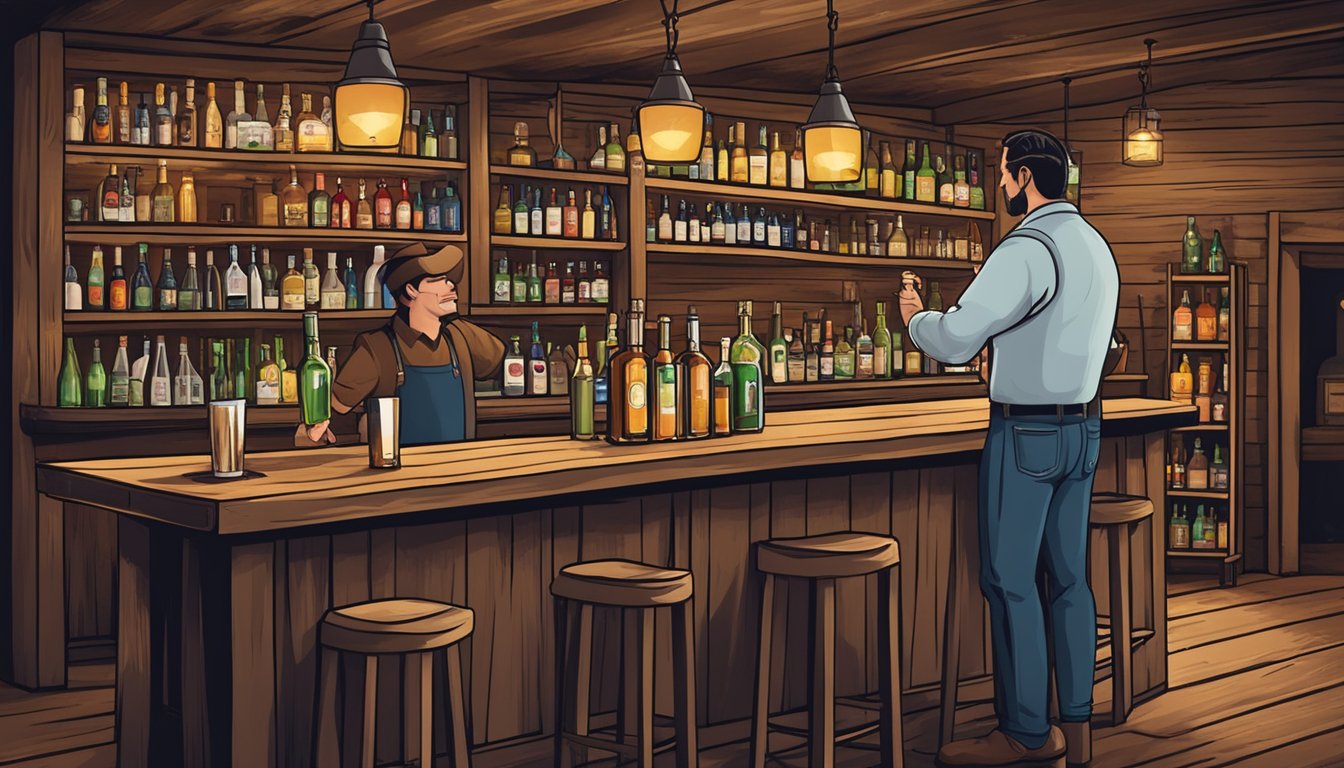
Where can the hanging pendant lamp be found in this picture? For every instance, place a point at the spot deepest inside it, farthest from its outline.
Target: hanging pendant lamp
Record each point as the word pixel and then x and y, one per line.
pixel 371 103
pixel 670 120
pixel 1074 181
pixel 1142 143
pixel 832 138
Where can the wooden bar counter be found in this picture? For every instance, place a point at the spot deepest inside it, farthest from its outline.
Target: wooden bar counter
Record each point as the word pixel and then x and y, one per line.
pixel 221 585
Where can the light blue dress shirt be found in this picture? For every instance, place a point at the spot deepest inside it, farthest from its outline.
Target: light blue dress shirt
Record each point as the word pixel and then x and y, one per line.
pixel 1048 317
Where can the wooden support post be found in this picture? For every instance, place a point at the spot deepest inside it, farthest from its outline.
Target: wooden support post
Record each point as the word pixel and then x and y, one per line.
pixel 477 204
pixel 133 642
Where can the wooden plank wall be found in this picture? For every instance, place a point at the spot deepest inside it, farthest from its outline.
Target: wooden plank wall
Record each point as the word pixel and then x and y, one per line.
pixel 1235 149
pixel 502 565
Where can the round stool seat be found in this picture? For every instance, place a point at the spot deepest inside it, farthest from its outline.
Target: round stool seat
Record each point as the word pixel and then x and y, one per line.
pixel 622 582
pixel 829 556
pixel 395 626
pixel 1118 509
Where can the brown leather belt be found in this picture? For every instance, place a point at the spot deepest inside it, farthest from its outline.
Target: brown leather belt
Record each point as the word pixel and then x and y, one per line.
pixel 1074 409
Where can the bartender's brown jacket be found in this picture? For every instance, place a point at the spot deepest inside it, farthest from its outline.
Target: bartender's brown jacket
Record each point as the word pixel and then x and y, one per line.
pixel 480 354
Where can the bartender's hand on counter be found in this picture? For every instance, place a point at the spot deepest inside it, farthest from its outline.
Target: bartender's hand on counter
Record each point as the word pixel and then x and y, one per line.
pixel 908 298
pixel 318 434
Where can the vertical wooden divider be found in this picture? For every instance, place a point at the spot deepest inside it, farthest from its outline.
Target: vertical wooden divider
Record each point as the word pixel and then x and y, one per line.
pixel 478 197
pixel 637 273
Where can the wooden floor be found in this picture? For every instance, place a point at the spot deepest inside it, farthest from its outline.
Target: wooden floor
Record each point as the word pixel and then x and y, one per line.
pixel 1257 679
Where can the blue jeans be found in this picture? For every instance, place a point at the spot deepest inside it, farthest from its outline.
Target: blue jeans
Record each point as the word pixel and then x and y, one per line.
pixel 1035 494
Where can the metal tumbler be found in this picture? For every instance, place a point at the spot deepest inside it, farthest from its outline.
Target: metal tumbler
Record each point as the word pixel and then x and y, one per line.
pixel 228 426
pixel 384 428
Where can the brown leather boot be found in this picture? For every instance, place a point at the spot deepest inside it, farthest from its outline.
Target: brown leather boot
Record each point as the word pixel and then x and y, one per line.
pixel 1078 741
pixel 998 750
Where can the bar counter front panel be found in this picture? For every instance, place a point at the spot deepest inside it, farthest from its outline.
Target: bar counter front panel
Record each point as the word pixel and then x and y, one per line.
pixel 221 586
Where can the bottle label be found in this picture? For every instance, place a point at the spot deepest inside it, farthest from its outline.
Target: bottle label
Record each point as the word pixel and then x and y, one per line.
pixel 601 290
pixel 96 296
pixel 827 366
pixel 163 209
pixel 757 170
pixel 539 380
pixel 521 222
pixel 924 189
pixel 74 297
pixel 679 231
pixel 513 373
pixel 293 301
pixel 167 298
pixel 503 289
pixel 296 215
pixel 137 393
pixel 880 362
pixel 585 291
pixel 636 396
pixel 758 232
pixel 121 390
pixel 779 365
pixel 1207 328
pixel 313 136
pixel 117 300
pixel 772 237
pixel 160 395
pixel 554 222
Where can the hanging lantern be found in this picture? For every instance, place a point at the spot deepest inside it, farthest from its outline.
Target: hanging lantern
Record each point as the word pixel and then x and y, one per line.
pixel 832 138
pixel 371 103
pixel 670 120
pixel 1142 143
pixel 1074 180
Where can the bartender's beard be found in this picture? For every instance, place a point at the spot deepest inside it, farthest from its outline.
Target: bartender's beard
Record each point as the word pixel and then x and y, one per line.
pixel 1017 204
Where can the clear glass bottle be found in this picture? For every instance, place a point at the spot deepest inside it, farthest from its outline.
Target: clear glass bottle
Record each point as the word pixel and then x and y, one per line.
pixel 119 383
pixel 332 291
pixel 95 383
pixel 294 202
pixel 189 294
pixel 167 286
pixel 312 286
pixel 235 282
pixel 214 124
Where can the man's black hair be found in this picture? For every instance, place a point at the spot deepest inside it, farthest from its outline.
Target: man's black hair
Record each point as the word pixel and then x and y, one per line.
pixel 1044 155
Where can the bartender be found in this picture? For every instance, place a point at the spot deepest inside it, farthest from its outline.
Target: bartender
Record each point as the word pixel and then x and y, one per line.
pixel 426 355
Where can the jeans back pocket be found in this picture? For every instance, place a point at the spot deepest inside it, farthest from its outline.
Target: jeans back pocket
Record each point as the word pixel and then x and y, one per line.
pixel 1036 449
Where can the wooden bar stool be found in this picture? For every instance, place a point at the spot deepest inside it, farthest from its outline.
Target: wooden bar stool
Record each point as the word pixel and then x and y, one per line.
pixel 637 589
pixel 821 560
pixel 413 628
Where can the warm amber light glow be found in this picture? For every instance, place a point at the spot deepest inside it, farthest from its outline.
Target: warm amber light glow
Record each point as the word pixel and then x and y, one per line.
pixel 833 154
pixel 670 133
pixel 1143 146
pixel 369 115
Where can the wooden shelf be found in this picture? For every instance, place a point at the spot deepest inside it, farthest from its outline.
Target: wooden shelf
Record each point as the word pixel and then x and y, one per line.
pixel 1323 443
pixel 495 407
pixel 1126 377
pixel 42 419
pixel 814 257
pixel 179 234
pixel 185 158
pixel 547 310
pixel 1218 427
pixel 554 243
pixel 1178 278
pixel 1221 554
pixel 798 197
pixel 1208 346
pixel 1210 494
pixel 550 174
pixel 176 318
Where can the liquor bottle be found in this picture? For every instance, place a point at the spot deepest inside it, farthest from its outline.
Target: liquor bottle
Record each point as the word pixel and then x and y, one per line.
pixel 448 136
pixel 773 231
pixel 312 293
pixel 515 376
pixel 221 386
pixel 797 168
pixel 187 384
pixel 1182 322
pixel 571 217
pixel 314 379
pixel 167 286
pixel 159 392
pixel 163 129
pixel 533 283
pixel 946 185
pixel 520 218
pixel 668 387
pixel 95 384
pixel 254 283
pixel 628 407
pixel 961 189
pixel 598 161
pixel 311 133
pixel 1218 402
pixel 316 209
pixel 747 356
pixel 502 284
pixel 520 153
pixel 1192 248
pixel 1204 390
pixel 730 225
pixel 326 117
pixel 141 124
pixel 844 352
pixel 401 217
pixel 235 283
pixel 284 123
pixel 1224 316
pixel 100 129
pixel 74 119
pixel 537 378
pixel 1217 257
pixel 186 199
pixel 162 200
pixel 74 295
pixel 294 202
pixel 863 351
pixel 96 300
pixel 1182 382
pixel 582 393
pixel 887 183
pixel 189 294
pixel 811 350
pixel 410 133
pixel 605 350
pixel 119 383
pixel 212 293
pixel 601 291
pixel 744 226
pixel 704 169
pixel 1211 530
pixel 186 118
pixel 1178 530
pixel 615 152
pixel 723 390
pixel 693 223
pixel 554 217
pixel 341 213
pixel 779 162
pixel 212 137
pixel 976 192
pixel 588 224
pixel 1197 471
pixel 432 212
pixel 796 365
pixel 872 167
pixel 268 378
pixel 518 284
pixel 292 291
pixel 69 382
pixel 351 281
pixel 557 368
pixel 739 171
pixel 926 188
pixel 382 207
pixel 373 288
pixel 429 137
pixel 503 217
pixel 136 382
pixel 779 348
pixel 898 243
pixel 331 294
pixel 758 162
pixel 905 184
pixel 238 113
pixel 1206 320
pixel 694 381
pixel 826 355
pixel 116 293
pixel 758 225
pixel 110 197
pixel 289 377
pixel 1218 471
pixel 142 288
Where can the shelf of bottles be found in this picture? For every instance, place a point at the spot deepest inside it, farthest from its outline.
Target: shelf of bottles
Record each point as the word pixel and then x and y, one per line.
pixel 1204 294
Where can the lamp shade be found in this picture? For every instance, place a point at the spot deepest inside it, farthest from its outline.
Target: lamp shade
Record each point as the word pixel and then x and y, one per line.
pixel 370 104
pixel 1142 143
pixel 832 139
pixel 670 121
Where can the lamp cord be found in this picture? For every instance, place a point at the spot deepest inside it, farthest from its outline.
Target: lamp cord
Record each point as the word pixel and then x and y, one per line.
pixel 1145 79
pixel 832 24
pixel 371 2
pixel 1066 82
pixel 670 26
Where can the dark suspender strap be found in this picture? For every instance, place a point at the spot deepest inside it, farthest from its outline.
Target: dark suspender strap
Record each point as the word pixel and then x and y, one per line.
pixel 396 350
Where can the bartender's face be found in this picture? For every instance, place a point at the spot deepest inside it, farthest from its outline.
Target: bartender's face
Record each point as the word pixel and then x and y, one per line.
pixel 436 294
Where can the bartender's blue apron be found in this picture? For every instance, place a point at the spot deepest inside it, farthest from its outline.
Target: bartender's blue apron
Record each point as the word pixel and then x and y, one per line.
pixel 433 400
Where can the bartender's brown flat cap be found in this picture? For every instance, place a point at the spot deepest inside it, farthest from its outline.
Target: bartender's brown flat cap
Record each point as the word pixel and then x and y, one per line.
pixel 414 261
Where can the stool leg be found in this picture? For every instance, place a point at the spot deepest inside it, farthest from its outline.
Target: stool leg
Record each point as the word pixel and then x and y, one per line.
pixel 370 710
pixel 426 710
pixel 683 673
pixel 889 666
pixel 760 711
pixel 627 694
pixel 644 685
pixel 561 614
pixel 821 693
pixel 581 656
pixel 947 703
pixel 1121 623
pixel 414 713
pixel 457 711
pixel 326 749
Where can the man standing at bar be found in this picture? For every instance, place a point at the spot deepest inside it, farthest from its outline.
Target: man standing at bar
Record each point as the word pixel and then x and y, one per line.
pixel 426 355
pixel 1045 301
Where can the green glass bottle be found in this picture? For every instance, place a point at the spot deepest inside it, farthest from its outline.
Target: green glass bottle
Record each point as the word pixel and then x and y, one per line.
pixel 582 393
pixel 926 180
pixel 1192 248
pixel 314 376
pixel 882 344
pixel 908 172
pixel 95 384
pixel 142 288
pixel 1217 256
pixel 69 384
pixel 844 355
pixel 747 356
